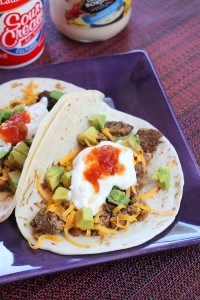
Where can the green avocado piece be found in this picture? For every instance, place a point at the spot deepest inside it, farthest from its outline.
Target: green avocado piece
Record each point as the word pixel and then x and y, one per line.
pixel 131 142
pixel 5 114
pixel 22 148
pixel 3 153
pixel 56 95
pixel 118 197
pixel 53 177
pixel 18 155
pixel 13 179
pixel 97 121
pixel 163 176
pixel 66 179
pixel 90 135
pixel 17 109
pixel 16 159
pixel 84 218
pixel 60 195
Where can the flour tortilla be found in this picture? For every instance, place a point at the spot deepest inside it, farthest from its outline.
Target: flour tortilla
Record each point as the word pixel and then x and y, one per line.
pixel 12 90
pixel 59 140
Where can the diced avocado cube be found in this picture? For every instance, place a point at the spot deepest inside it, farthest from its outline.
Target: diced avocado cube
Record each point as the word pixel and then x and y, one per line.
pixel 16 159
pixel 53 176
pixel 56 95
pixel 84 218
pixel 66 179
pixel 7 113
pixel 1 116
pixel 118 197
pixel 131 142
pixel 22 148
pixel 18 155
pixel 163 176
pixel 3 153
pixel 13 179
pixel 17 109
pixel 60 195
pixel 97 121
pixel 90 135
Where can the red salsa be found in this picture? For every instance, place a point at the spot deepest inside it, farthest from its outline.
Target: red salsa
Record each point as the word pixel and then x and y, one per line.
pixel 14 130
pixel 102 162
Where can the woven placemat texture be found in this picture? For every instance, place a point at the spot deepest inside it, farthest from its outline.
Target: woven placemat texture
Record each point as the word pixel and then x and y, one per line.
pixel 169 31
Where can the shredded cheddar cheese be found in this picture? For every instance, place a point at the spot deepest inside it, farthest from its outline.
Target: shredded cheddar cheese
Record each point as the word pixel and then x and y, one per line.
pixel 56 208
pixel 29 96
pixel 118 208
pixel 139 157
pixel 51 237
pixel 70 157
pixel 45 195
pixel 70 223
pixel 104 230
pixel 152 192
pixel 134 189
pixel 69 210
pixel 108 134
pixel 128 192
pixel 153 211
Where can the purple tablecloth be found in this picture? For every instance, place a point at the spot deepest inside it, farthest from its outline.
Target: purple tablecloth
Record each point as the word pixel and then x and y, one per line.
pixel 169 32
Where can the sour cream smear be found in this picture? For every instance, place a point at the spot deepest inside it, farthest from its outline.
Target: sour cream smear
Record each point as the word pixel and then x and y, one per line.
pixel 96 170
pixel 38 112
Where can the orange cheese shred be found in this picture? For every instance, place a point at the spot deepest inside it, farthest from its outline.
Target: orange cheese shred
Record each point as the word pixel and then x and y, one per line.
pixel 69 210
pixel 29 96
pixel 128 192
pixel 45 195
pixel 134 189
pixel 70 157
pixel 103 230
pixel 57 208
pixel 117 209
pixel 153 211
pixel 139 157
pixel 108 134
pixel 152 192
pixel 70 223
pixel 51 237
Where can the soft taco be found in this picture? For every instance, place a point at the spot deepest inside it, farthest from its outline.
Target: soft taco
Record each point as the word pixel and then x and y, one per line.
pixel 25 103
pixel 100 180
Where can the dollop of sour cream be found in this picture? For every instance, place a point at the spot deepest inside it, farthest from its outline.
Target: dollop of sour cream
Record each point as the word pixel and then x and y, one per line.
pixel 82 192
pixel 37 113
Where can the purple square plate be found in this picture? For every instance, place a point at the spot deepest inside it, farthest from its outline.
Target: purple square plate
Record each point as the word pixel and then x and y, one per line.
pixel 131 81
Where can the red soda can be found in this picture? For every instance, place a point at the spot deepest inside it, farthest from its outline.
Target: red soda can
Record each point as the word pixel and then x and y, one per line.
pixel 21 32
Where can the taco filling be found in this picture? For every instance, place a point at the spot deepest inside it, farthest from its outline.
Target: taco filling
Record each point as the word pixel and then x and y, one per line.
pixel 25 105
pixel 98 188
pixel 18 126
pixel 100 180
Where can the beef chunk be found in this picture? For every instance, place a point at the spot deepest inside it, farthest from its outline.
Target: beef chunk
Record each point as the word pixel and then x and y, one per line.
pixel 131 210
pixel 142 216
pixel 119 128
pixel 108 207
pixel 75 231
pixel 94 232
pixel 46 223
pixel 139 170
pixel 104 219
pixel 149 139
pixel 102 137
pixel 51 102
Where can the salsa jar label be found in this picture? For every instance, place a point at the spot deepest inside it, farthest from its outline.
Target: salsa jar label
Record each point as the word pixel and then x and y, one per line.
pixel 21 32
